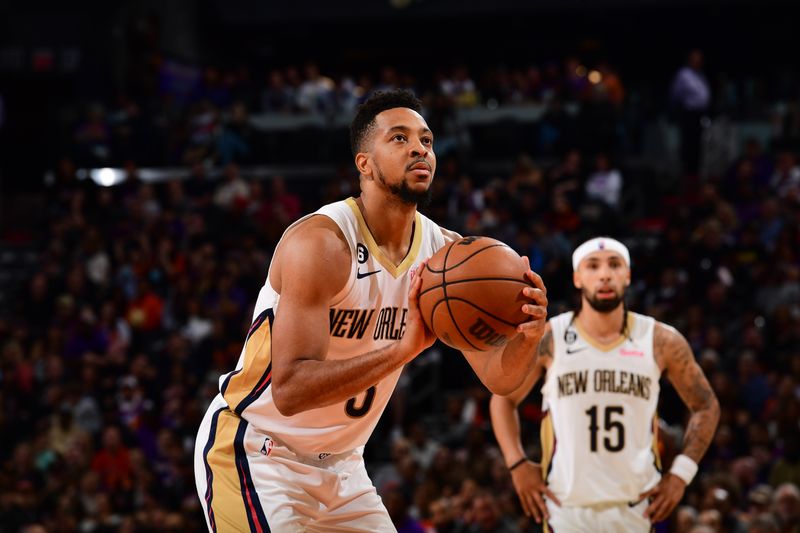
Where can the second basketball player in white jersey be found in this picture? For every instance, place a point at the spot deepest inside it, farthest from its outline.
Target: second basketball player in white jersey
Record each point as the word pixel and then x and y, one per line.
pixel 600 469
pixel 280 447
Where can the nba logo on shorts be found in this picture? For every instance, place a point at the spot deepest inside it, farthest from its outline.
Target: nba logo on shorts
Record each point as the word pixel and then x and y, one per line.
pixel 266 449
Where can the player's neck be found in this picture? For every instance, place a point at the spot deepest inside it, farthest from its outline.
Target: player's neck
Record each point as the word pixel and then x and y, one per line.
pixel 390 222
pixel 603 327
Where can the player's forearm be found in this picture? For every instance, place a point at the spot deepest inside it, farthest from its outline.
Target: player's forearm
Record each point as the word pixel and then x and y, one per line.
pixel 311 383
pixel 507 367
pixel 700 430
pixel 506 427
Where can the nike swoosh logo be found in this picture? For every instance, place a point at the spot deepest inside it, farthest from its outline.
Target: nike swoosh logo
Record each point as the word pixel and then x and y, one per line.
pixel 359 275
pixel 570 352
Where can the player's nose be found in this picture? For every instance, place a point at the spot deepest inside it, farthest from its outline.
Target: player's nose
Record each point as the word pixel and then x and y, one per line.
pixel 605 272
pixel 418 149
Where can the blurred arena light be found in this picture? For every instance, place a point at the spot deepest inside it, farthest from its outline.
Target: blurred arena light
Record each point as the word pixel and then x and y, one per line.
pixel 107 177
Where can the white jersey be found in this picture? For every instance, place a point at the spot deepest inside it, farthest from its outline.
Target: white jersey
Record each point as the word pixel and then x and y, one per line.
pixel 599 438
pixel 369 313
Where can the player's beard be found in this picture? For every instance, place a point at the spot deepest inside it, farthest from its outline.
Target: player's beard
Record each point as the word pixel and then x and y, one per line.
pixel 404 193
pixel 604 305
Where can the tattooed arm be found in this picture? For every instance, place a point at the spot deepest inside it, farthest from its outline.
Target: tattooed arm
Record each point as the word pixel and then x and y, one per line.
pixel 527 475
pixel 688 379
pixel 675 356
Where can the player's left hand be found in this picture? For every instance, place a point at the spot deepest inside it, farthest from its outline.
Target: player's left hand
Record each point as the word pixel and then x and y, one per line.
pixel 536 308
pixel 665 496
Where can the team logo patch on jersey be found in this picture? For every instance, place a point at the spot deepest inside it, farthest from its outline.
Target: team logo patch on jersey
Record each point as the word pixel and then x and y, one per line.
pixel 570 336
pixel 266 449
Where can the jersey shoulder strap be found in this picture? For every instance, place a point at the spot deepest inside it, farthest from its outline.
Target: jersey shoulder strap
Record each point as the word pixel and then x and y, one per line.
pixel 560 326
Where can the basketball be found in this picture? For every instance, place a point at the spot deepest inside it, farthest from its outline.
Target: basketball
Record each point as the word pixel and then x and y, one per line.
pixel 471 294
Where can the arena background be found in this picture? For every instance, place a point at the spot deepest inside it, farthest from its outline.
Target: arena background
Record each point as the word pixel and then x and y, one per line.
pixel 151 153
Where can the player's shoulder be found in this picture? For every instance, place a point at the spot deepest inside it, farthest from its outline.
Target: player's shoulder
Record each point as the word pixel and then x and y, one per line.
pixel 640 326
pixel 315 247
pixel 668 341
pixel 312 261
pixel 440 236
pixel 432 226
pixel 666 331
pixel 449 235
pixel 561 320
pixel 554 325
pixel 317 231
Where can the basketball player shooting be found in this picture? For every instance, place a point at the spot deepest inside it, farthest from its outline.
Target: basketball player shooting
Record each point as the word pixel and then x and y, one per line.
pixel 600 468
pixel 281 445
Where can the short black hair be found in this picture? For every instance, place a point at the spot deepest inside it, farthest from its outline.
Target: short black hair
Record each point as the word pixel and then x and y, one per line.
pixel 380 101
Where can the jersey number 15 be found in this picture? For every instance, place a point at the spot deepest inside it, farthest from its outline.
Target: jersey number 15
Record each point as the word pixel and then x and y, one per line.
pixel 611 427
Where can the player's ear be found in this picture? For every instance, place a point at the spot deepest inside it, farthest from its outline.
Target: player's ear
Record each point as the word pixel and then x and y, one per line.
pixel 576 280
pixel 628 278
pixel 363 166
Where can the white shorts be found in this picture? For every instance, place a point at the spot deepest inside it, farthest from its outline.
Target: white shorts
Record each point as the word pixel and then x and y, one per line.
pixel 613 518
pixel 248 482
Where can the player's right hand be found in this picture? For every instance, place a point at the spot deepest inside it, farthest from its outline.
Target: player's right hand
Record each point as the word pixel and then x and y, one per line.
pixel 417 337
pixel 531 489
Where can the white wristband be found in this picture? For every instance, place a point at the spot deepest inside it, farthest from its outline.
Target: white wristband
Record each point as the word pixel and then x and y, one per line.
pixel 684 467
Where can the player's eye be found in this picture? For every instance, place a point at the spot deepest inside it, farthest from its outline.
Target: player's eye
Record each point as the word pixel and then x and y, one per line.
pixel 399 137
pixel 427 141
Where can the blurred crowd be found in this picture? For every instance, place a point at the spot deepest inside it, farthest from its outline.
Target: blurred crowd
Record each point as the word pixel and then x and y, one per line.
pixel 188 114
pixel 185 114
pixel 144 291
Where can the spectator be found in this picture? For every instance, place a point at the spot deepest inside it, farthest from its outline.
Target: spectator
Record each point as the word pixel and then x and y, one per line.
pixel 763 523
pixel 691 93
pixel 316 93
pixel 112 461
pixel 487 517
pixel 567 179
pixel 232 194
pixel 235 141
pixel 685 518
pixel 605 183
pixel 786 505
pixel 278 97
pixel 397 506
pixel 444 518
pixel 785 180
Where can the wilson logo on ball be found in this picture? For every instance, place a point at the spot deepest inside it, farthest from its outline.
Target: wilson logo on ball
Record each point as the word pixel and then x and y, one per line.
pixel 486 334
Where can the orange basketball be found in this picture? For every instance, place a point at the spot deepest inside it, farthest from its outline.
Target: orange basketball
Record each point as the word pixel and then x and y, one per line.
pixel 471 295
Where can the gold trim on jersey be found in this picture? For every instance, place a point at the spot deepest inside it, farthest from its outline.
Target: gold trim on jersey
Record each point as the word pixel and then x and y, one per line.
pixel 416 242
pixel 656 451
pixel 603 347
pixel 227 503
pixel 548 439
pixel 257 359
